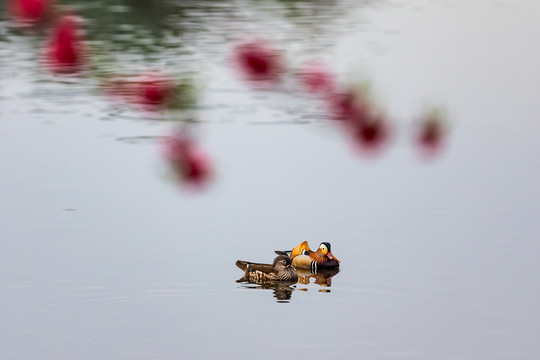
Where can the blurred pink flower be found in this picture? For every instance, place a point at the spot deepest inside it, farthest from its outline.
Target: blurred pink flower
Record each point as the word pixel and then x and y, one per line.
pixel 190 164
pixel 65 51
pixel 29 12
pixel 372 134
pixel 347 105
pixel 431 134
pixel 151 91
pixel 361 119
pixel 316 78
pixel 258 61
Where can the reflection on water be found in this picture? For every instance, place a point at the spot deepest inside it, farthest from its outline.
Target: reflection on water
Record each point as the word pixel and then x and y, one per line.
pixel 282 290
pixel 322 277
pixel 156 30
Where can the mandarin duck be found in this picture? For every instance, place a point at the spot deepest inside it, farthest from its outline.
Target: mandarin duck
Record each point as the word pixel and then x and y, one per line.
pixel 303 258
pixel 280 270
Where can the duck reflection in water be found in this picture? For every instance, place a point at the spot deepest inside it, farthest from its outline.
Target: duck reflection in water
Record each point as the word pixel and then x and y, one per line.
pixel 322 277
pixel 279 276
pixel 282 289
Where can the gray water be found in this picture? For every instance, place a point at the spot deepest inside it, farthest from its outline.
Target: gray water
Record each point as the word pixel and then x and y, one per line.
pixel 103 258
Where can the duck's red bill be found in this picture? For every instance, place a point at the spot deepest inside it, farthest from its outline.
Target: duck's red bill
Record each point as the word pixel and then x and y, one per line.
pixel 331 256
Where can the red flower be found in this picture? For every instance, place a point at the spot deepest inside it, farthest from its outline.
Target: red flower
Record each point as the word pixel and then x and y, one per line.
pixel 65 51
pixel 372 134
pixel 258 61
pixel 188 161
pixel 347 106
pixel 431 134
pixel 316 78
pixel 29 12
pixel 152 91
pixel 361 119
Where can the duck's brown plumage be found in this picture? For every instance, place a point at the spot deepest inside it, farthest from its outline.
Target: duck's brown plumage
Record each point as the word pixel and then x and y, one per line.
pixel 280 270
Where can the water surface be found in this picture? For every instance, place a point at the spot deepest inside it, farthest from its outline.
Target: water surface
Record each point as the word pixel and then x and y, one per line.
pixel 102 257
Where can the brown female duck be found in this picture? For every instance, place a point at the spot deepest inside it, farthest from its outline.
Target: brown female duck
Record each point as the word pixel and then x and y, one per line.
pixel 280 270
pixel 303 258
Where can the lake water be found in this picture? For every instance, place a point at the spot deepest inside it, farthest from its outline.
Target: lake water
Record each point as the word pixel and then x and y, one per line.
pixel 103 257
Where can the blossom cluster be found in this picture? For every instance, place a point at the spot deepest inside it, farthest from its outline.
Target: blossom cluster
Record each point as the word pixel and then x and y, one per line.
pixel 66 52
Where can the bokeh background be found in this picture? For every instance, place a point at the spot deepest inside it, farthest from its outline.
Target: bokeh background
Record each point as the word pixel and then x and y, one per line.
pixel 111 249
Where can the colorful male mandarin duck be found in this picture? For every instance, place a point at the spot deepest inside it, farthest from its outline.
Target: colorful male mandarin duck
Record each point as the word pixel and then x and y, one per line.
pixel 303 258
pixel 280 270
